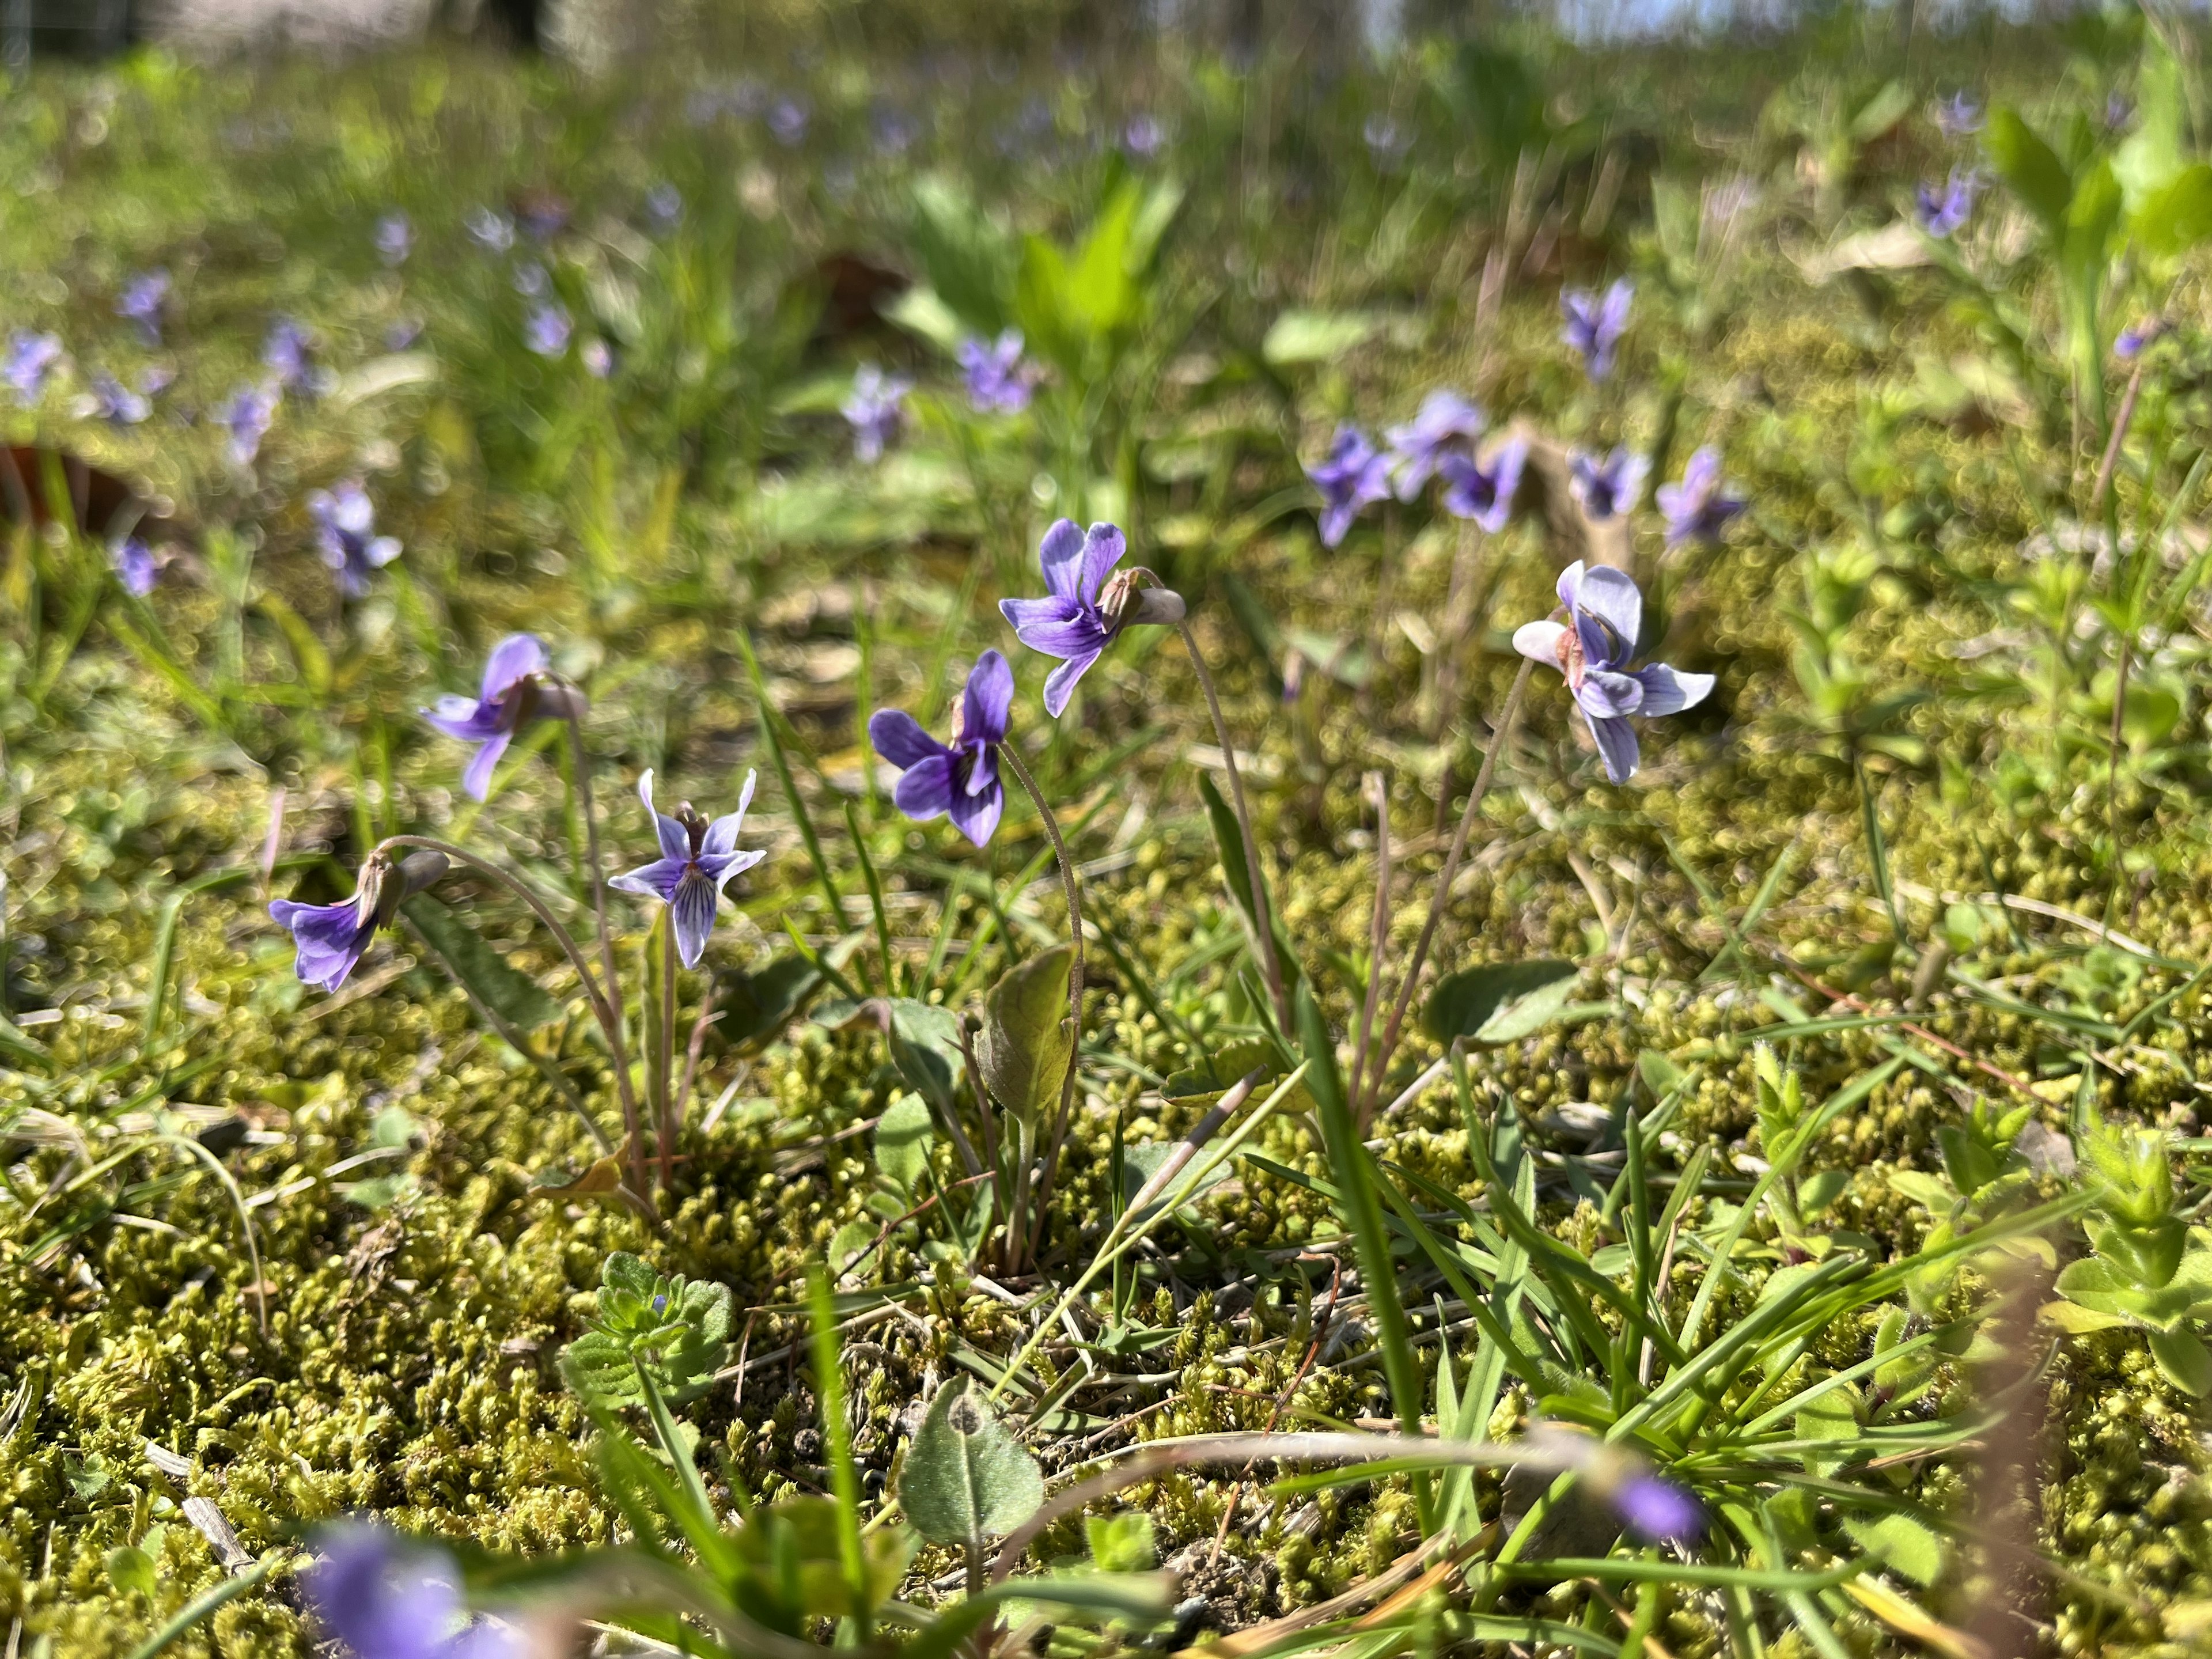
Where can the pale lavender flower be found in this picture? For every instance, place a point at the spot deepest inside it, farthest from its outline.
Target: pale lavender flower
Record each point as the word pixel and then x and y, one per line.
pixel 788 120
pixel 1445 424
pixel 386 1599
pixel 1592 650
pixel 1594 326
pixel 1606 484
pixel 247 418
pixel 491 230
pixel 517 689
pixel 155 378
pixel 403 333
pixel 345 532
pixel 1085 612
pixel 1657 1510
pixel 30 359
pixel 998 382
pixel 289 355
pixel 698 859
pixel 1699 506
pixel 547 329
pixel 543 215
pixel 664 207
pixel 108 399
pixel 1959 116
pixel 598 359
pixel 395 239
pixel 134 566
pixel 529 279
pixel 331 938
pixel 140 302
pixel 1143 137
pixel 1942 209
pixel 875 410
pixel 959 779
pixel 1481 491
pixel 1353 474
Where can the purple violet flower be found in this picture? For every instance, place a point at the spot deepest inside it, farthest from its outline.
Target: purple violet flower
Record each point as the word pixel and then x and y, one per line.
pixel 288 355
pixel 1353 474
pixel 598 358
pixel 894 131
pixel 1484 493
pixel 331 938
pixel 1943 210
pixel 134 566
pixel 1959 116
pixel 1446 424
pixel 1605 614
pixel 1594 326
pixel 998 382
pixel 664 207
pixel 140 302
pixel 395 239
pixel 1085 611
pixel 491 230
pixel 875 410
pixel 1698 508
pixel 402 334
pixel 30 359
pixel 246 417
pixel 517 690
pixel 1143 137
pixel 108 399
pixel 788 120
pixel 961 778
pixel 2134 338
pixel 345 530
pixel 1606 484
pixel 1657 1510
pixel 698 859
pixel 387 1599
pixel 547 329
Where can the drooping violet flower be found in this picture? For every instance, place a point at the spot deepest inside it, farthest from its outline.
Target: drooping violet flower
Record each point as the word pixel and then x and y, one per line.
pixel 1445 424
pixel 1605 614
pixel 1605 485
pixel 345 531
pixel 547 329
pixel 998 382
pixel 395 239
pixel 1143 137
pixel 331 938
pixel 1354 473
pixel 1699 506
pixel 1594 326
pixel 30 359
pixel 386 1599
pixel 875 410
pixel 664 207
pixel 597 357
pixel 698 859
pixel 1085 612
pixel 1945 209
pixel 247 418
pixel 140 302
pixel 108 399
pixel 788 120
pixel 134 566
pixel 517 689
pixel 2134 338
pixel 491 230
pixel 289 355
pixel 959 779
pixel 1483 491
pixel 1657 1510
pixel 1959 116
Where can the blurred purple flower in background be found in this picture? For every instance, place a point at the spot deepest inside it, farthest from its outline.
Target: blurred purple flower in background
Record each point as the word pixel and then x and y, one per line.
pixel 331 938
pixel 598 359
pixel 108 399
pixel 894 131
pixel 875 410
pixel 2119 112
pixel 788 119
pixel 1353 474
pixel 997 380
pixel 1944 209
pixel 1594 326
pixel 134 566
pixel 491 230
pixel 1959 116
pixel 1143 137
pixel 289 355
pixel 960 779
pixel 140 302
pixel 395 239
pixel 1656 1511
pixel 1605 614
pixel 29 360
pixel 385 1598
pixel 2135 338
pixel 403 333
pixel 516 689
pixel 247 418
pixel 547 329
pixel 529 279
pixel 345 532
pixel 664 207
pixel 698 859
pixel 542 216
pixel 1605 485
pixel 1445 424
pixel 1484 493
pixel 1698 508
pixel 1085 612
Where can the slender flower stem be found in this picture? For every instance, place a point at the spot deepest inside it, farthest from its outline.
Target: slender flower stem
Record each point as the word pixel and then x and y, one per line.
pixel 666 1133
pixel 583 766
pixel 1008 753
pixel 1445 877
pixel 1263 922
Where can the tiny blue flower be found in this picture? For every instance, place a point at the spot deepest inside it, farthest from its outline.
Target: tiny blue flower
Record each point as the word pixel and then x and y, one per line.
pixel 1594 325
pixel 894 131
pixel 1085 611
pixel 698 859
pixel 1699 506
pixel 247 418
pixel 664 206
pixel 330 938
pixel 1143 137
pixel 403 333
pixel 1446 424
pixel 2133 339
pixel 959 779
pixel 345 531
pixel 1657 1510
pixel 517 690
pixel 1353 474
pixel 1959 116
pixel 1943 209
pixel 134 566
pixel 788 120
pixel 289 355
pixel 108 399
pixel 875 410
pixel 1592 650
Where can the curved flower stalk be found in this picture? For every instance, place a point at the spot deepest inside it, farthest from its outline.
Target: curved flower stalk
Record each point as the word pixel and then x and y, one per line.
pixel 1592 650
pixel 960 779
pixel 330 938
pixel 698 859
pixel 386 1599
pixel 1087 612
pixel 518 687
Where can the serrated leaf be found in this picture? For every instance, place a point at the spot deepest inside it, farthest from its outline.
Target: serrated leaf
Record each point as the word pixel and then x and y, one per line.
pixel 1026 1044
pixel 966 1479
pixel 1498 1001
pixel 676 1329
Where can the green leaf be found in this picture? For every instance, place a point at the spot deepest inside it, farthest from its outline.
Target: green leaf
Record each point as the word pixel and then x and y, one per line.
pixel 969 261
pixel 1880 112
pixel 1816 1192
pixel 966 1479
pixel 904 1134
pixel 2031 167
pixel 1317 337
pixel 925 1045
pixel 2158 148
pixel 756 1007
pixel 676 1330
pixel 130 1570
pixel 2184 1360
pixel 508 992
pixel 1220 1071
pixel 2177 215
pixel 1026 1043
pixel 1498 1001
pixel 1121 1543
pixel 1904 1545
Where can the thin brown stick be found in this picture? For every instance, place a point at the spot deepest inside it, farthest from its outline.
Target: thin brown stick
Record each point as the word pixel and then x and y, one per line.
pixel 1378 932
pixel 2120 424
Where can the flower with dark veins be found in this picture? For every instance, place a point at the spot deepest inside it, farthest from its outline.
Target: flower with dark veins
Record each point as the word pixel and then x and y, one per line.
pixel 1085 611
pixel 1594 326
pixel 518 687
pixel 1605 485
pixel 1353 474
pixel 1592 649
pixel 384 1598
pixel 330 938
pixel 959 779
pixel 1446 424
pixel 1699 506
pixel 698 859
pixel 1483 491
pixel 345 532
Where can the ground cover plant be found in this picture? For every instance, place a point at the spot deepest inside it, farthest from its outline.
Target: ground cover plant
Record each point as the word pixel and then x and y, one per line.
pixel 1448 888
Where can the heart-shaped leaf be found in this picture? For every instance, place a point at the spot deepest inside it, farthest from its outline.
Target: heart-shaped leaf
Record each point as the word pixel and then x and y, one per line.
pixel 967 1479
